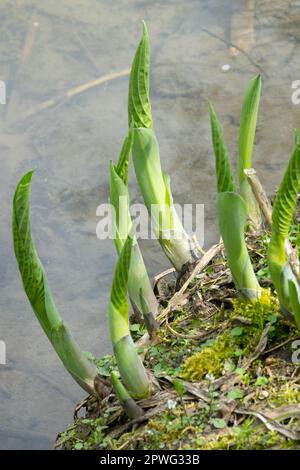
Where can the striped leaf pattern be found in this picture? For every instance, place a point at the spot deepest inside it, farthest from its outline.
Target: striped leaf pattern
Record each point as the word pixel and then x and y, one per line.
pixel 139 107
pixel 123 161
pixel 225 181
pixel 119 286
pixel 286 197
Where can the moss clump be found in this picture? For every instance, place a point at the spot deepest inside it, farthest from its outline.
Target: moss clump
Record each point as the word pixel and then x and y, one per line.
pixel 247 437
pixel 288 394
pixel 210 360
pixel 238 341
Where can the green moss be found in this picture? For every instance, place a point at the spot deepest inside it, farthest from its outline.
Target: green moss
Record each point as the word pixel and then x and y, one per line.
pixel 210 360
pixel 239 341
pixel 287 394
pixel 178 429
pixel 247 437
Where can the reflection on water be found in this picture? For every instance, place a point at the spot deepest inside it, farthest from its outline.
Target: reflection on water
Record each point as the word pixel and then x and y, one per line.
pixel 48 48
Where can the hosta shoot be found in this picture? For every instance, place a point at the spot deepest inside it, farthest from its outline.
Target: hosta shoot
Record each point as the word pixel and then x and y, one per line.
pixel 139 286
pixel 153 183
pixel 37 289
pixel 131 369
pixel 232 216
pixel 284 280
pixel 130 407
pixel 248 121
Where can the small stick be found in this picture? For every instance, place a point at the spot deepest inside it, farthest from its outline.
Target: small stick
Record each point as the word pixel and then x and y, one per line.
pixel 25 55
pixel 266 209
pixel 75 91
pixel 259 193
pixel 160 276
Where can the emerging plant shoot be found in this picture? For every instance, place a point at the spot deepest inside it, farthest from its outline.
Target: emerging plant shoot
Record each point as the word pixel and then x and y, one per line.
pixel 132 371
pixel 246 142
pixel 38 292
pixel 153 183
pixel 232 215
pixel 139 286
pixel 284 280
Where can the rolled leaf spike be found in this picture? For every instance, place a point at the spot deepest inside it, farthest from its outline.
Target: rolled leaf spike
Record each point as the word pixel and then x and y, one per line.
pixel 38 292
pixel 138 278
pixel 232 216
pixel 131 369
pixel 284 280
pixel 153 183
pixel 130 407
pixel 248 121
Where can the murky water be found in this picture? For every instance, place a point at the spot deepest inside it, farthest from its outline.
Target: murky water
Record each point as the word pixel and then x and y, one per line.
pixel 48 48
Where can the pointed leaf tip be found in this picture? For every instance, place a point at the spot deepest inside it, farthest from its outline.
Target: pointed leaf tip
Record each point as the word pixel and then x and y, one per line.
pixel 225 181
pixel 26 178
pixel 248 120
pixel 145 29
pixel 139 107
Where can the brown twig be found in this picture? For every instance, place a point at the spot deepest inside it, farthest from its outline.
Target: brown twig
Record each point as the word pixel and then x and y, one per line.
pixel 266 209
pixel 279 346
pixel 74 92
pixel 271 425
pixel 260 195
pixel 18 70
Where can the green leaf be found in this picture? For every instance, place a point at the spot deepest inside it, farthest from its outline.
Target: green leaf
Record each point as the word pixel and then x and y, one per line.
pixel 157 369
pixel 225 181
pixel 74 360
pixel 179 387
pixel 285 202
pixel 247 133
pixel 135 327
pixel 296 135
pixel 131 408
pixel 130 366
pixel 138 277
pixel 123 161
pixel 118 295
pixel 218 423
pixel 248 124
pixel 286 198
pixel 235 394
pixel 139 107
pixel 261 381
pixel 232 215
pixel 237 331
pixel 155 189
pixel 119 198
pixel 295 299
pixel 38 292
pixel 272 318
pixel 78 446
pixel 238 352
pixel 31 269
